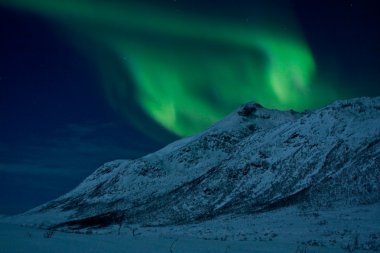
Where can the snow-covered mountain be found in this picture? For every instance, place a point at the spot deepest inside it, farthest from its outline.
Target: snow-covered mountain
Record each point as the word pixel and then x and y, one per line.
pixel 253 161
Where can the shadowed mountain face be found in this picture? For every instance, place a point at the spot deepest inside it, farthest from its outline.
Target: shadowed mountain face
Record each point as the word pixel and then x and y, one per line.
pixel 254 160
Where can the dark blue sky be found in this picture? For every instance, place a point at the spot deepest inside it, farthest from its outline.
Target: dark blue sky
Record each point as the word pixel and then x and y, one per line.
pixel 56 127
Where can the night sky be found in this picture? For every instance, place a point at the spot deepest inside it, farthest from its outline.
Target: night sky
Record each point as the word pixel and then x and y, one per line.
pixel 86 82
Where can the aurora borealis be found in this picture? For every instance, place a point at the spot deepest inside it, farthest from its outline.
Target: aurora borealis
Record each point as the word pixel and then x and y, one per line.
pixel 188 71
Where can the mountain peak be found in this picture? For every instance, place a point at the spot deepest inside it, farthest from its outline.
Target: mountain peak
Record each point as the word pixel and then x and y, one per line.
pixel 254 160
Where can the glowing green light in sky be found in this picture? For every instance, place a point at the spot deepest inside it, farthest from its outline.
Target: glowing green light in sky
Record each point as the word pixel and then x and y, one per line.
pixel 188 72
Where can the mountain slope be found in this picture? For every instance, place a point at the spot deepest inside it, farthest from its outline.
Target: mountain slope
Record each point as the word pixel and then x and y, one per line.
pixel 254 160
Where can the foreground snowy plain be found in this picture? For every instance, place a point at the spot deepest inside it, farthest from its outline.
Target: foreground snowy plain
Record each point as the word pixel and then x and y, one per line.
pixel 290 230
pixel 14 238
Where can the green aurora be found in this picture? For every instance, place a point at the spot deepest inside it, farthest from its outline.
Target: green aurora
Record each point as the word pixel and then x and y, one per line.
pixel 186 71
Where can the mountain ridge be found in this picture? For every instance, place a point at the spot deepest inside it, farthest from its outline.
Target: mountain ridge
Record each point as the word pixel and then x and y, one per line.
pixel 254 160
